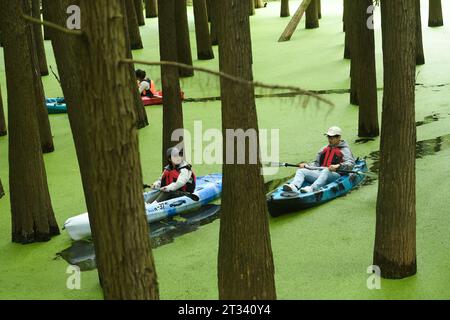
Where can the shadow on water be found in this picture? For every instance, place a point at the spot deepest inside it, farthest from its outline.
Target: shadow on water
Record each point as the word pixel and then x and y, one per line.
pixel 423 148
pixel 82 254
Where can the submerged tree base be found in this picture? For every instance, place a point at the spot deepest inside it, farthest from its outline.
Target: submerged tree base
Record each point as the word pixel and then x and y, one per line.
pixel 35 236
pixel 392 269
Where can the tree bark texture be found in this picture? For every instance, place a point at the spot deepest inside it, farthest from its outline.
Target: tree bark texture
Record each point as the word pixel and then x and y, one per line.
pixel 435 18
pixel 312 15
pixel 183 38
pixel 133 26
pixel 204 47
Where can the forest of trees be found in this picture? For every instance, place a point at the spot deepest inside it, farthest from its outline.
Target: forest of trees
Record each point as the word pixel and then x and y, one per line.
pixel 106 138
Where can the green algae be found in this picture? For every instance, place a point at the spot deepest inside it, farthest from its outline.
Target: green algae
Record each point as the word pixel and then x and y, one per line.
pixel 320 253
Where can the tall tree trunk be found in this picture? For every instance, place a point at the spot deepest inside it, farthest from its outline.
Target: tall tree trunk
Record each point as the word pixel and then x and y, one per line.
pixel 183 39
pixel 151 8
pixel 251 7
pixel 245 262
pixel 3 130
pixel 354 67
pixel 139 12
pixel 259 4
pixel 395 239
pixel 204 48
pixel 319 9
pixel 347 29
pixel 45 5
pixel 435 14
pixel 172 104
pixel 2 192
pixel 124 259
pixel 213 17
pixel 45 131
pixel 133 27
pixel 312 15
pixel 141 114
pixel 420 57
pixel 364 61
pixel 284 12
pixel 38 38
pixel 32 216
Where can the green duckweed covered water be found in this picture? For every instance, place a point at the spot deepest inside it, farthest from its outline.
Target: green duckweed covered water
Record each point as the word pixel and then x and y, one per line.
pixel 320 253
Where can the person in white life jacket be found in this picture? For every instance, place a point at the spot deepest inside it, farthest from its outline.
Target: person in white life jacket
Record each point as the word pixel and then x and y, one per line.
pixel 145 85
pixel 177 176
pixel 336 155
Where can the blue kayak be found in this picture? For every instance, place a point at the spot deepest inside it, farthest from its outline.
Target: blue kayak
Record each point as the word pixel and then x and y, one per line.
pixel 56 105
pixel 280 201
pixel 208 188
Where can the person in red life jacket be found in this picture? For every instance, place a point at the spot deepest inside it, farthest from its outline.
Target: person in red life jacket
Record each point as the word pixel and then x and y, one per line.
pixel 336 155
pixel 145 85
pixel 177 176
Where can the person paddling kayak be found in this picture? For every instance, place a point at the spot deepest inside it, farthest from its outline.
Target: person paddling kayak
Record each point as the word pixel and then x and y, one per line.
pixel 146 86
pixel 177 176
pixel 336 155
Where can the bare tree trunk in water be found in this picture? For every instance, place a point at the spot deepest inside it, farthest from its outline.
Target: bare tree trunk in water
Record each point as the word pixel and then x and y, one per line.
pixel 213 17
pixel 420 57
pixel 395 237
pixel 133 26
pixel 45 6
pixel 45 131
pixel 354 67
pixel 284 12
pixel 172 104
pixel 366 79
pixel 183 39
pixel 38 38
pixel 251 7
pixel 435 18
pixel 204 47
pixel 347 29
pixel 245 262
pixel 3 130
pixel 139 12
pixel 124 259
pixel 151 8
pixel 312 15
pixel 32 216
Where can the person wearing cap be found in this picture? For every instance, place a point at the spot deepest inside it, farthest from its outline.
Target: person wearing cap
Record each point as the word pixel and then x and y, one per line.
pixel 177 176
pixel 334 156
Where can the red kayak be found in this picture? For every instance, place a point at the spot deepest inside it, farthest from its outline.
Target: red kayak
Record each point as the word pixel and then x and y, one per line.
pixel 156 99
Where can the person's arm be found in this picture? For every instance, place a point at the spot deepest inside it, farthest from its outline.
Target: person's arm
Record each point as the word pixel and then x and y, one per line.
pixel 143 86
pixel 182 179
pixel 316 162
pixel 348 161
pixel 157 183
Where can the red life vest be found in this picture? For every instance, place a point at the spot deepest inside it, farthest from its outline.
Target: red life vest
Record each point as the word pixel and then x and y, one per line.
pixel 171 174
pixel 331 155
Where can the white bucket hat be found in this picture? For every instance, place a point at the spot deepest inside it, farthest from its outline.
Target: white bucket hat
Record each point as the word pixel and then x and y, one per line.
pixel 334 131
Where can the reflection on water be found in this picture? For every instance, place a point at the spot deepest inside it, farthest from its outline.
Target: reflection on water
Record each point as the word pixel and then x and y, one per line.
pixel 82 254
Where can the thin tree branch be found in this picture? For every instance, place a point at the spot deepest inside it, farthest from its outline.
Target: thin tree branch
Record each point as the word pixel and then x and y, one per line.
pixel 297 90
pixel 52 25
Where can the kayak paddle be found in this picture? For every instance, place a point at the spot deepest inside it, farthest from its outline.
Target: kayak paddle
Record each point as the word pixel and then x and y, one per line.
pixel 177 192
pixel 285 164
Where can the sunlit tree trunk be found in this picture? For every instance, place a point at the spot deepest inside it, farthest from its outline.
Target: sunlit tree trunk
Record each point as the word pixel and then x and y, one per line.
pixel 395 239
pixel 245 263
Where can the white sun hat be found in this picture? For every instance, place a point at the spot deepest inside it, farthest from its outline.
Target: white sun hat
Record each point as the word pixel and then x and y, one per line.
pixel 334 131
